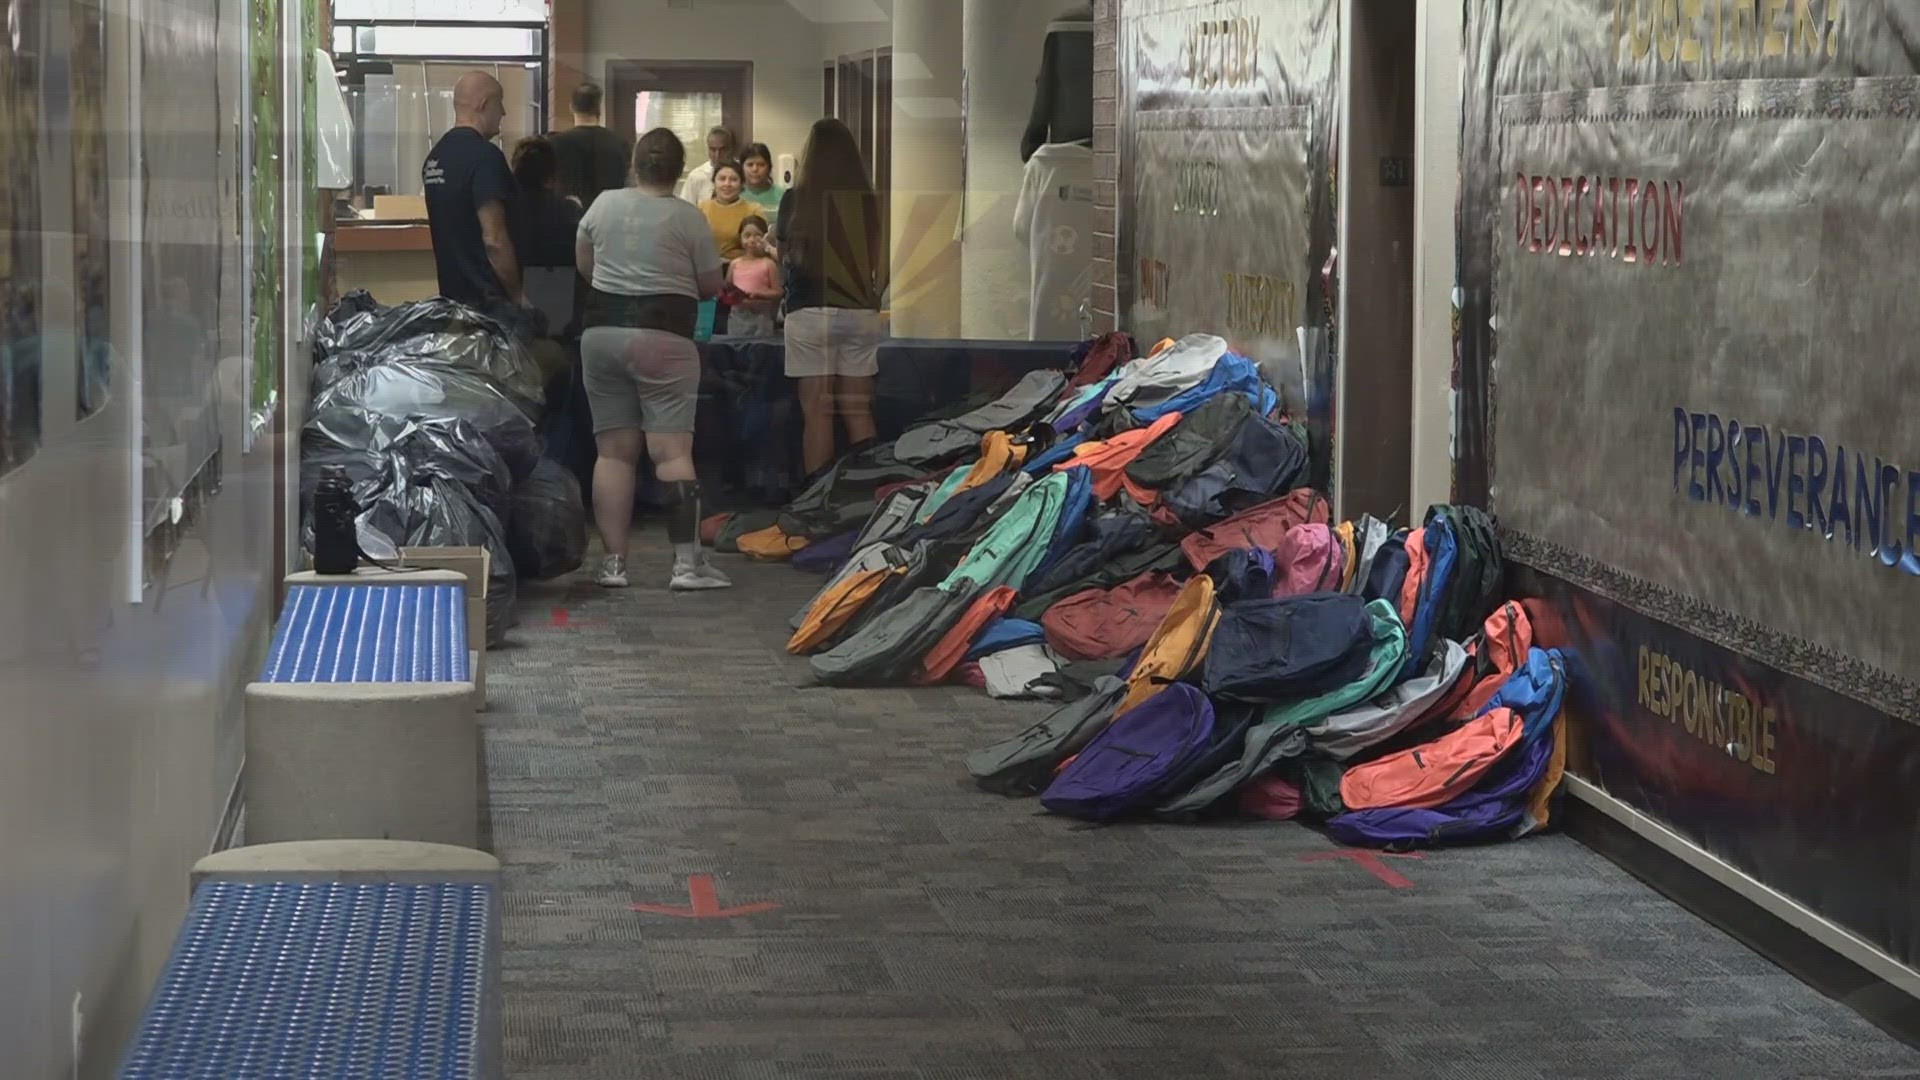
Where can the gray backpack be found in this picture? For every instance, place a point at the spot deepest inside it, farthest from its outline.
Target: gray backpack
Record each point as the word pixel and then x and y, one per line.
pixel 944 440
pixel 1023 765
pixel 888 648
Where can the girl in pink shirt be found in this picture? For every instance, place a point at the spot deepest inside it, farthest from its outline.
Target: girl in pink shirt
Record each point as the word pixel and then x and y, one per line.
pixel 756 275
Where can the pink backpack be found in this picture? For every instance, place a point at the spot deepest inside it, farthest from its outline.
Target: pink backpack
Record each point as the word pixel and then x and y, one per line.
pixel 1312 561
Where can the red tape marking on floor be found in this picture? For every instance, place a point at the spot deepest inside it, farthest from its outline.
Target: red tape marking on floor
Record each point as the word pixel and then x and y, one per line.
pixel 1371 862
pixel 704 903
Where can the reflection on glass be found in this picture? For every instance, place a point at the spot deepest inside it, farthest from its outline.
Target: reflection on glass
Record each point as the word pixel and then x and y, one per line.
pixel 688 115
pixel 20 264
pixel 91 213
pixel 399 116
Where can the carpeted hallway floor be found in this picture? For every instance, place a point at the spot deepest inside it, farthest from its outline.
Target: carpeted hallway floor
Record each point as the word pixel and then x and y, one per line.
pixel 928 930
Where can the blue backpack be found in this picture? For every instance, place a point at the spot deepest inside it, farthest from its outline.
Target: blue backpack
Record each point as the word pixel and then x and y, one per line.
pixel 1442 553
pixel 1497 805
pixel 1269 652
pixel 1131 760
pixel 1243 574
pixel 1074 516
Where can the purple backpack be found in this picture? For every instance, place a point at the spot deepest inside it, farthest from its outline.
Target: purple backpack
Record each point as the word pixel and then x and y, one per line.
pixel 1126 763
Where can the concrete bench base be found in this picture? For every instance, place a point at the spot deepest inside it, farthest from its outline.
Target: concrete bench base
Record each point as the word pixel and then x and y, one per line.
pixel 362 761
pixel 352 862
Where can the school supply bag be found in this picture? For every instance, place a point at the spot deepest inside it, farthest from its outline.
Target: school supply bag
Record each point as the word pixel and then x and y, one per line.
pixel 1178 646
pixel 1312 562
pixel 1267 459
pixel 1268 652
pixel 945 440
pixel 887 649
pixel 1025 764
pixel 1346 733
pixel 1264 526
pixel 1017 542
pixel 952 648
pixel 1133 756
pixel 1201 438
pixel 1103 624
pixel 1433 774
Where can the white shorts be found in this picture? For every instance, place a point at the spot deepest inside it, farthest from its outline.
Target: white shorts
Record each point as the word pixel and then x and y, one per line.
pixel 833 341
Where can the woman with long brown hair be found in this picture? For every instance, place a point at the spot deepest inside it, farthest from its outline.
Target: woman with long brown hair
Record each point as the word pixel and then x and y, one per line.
pixel 830 242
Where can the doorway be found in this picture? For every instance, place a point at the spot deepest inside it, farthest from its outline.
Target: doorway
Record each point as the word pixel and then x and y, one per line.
pixel 690 98
pixel 1374 404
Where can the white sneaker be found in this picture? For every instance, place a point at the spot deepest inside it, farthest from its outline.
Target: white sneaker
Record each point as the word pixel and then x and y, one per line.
pixel 698 577
pixel 613 572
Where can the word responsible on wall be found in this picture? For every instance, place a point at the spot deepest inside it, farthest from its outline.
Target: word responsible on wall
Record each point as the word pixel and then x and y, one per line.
pixel 1628 219
pixel 1696 31
pixel 1725 463
pixel 1722 718
pixel 1222 52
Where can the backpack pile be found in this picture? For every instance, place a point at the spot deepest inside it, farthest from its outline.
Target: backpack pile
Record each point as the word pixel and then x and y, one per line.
pixel 1131 536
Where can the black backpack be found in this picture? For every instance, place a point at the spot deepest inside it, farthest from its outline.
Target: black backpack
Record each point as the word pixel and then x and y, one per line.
pixel 1153 557
pixel 841 499
pixel 1200 439
pixel 1115 533
pixel 1475 587
pixel 1266 460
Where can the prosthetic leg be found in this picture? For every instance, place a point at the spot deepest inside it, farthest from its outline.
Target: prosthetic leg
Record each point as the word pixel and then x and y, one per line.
pixel 691 570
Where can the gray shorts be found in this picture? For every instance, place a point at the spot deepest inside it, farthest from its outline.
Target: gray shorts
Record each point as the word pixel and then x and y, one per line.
pixel 647 380
pixel 833 341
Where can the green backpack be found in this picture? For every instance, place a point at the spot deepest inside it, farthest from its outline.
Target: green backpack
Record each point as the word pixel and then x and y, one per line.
pixel 1014 547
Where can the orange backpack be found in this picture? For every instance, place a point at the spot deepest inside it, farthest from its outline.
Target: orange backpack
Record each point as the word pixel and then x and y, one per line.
pixel 1437 773
pixel 1505 640
pixel 998 455
pixel 836 607
pixel 771 545
pixel 951 649
pixel 1417 566
pixel 1109 459
pixel 1178 645
pixel 1343 535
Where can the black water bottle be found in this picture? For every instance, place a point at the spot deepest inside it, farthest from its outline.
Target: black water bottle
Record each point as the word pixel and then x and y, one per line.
pixel 336 544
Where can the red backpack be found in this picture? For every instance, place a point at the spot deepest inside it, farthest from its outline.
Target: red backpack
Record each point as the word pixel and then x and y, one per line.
pixel 1264 527
pixel 1101 624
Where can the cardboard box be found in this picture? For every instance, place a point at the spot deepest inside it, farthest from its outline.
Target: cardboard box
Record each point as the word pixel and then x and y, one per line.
pixel 477 564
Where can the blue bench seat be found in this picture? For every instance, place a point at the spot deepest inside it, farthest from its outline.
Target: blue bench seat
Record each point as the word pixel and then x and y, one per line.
pixel 335 980
pixel 370 633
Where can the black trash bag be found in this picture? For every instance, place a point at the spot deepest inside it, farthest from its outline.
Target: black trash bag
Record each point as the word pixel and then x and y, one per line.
pixel 411 387
pixel 420 505
pixel 547 528
pixel 437 330
pixel 361 442
pixel 354 310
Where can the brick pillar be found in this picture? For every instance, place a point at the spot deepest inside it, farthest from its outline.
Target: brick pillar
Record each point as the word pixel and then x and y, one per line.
pixel 1106 158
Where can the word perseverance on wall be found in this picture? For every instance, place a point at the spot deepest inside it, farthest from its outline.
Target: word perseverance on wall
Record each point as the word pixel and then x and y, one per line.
pixel 1609 217
pixel 1759 473
pixel 1697 31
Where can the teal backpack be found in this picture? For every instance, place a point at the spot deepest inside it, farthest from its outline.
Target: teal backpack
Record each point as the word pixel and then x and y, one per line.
pixel 1014 547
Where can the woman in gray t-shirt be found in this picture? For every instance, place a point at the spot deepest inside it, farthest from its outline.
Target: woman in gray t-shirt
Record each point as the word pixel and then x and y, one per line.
pixel 650 259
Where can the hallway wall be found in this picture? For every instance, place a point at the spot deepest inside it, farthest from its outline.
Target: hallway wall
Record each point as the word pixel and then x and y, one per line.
pixel 124 350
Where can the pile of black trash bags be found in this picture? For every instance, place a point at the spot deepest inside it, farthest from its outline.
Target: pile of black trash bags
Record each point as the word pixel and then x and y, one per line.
pixel 433 410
